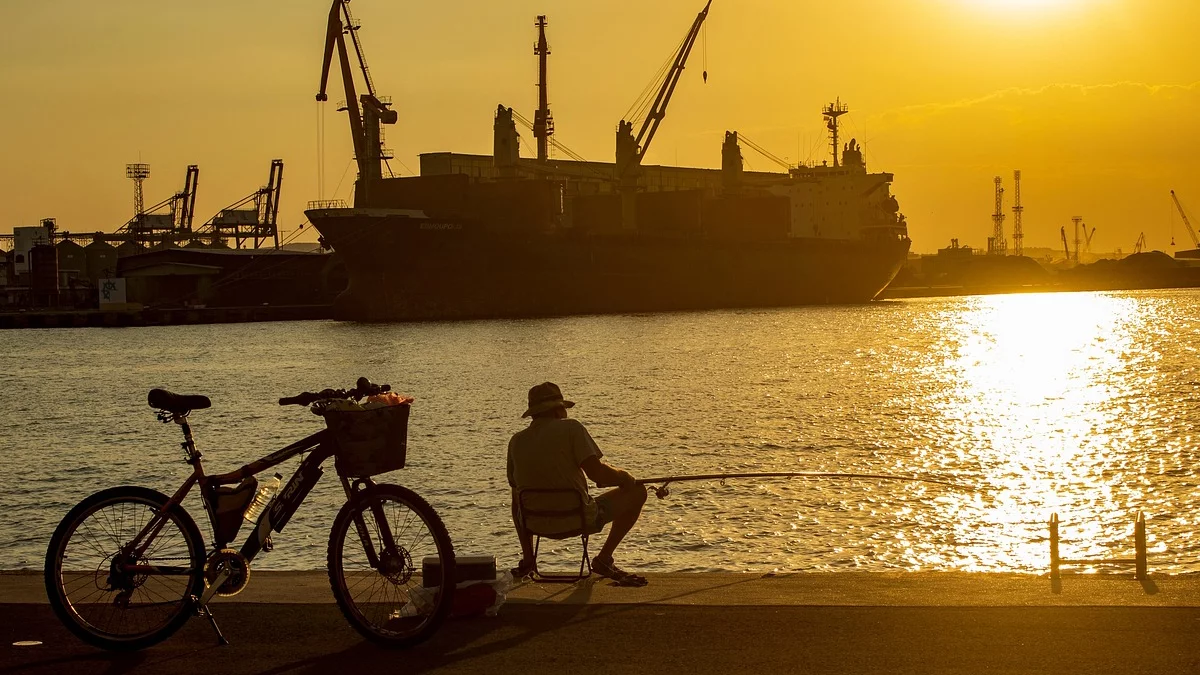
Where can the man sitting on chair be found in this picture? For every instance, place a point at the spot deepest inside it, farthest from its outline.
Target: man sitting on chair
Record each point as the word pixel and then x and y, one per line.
pixel 556 453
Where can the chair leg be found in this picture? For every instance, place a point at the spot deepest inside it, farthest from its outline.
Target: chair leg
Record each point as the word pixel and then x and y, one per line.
pixel 558 577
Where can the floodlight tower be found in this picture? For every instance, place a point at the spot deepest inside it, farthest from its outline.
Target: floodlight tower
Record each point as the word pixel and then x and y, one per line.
pixel 138 173
pixel 1076 221
pixel 997 244
pixel 1018 235
pixel 832 112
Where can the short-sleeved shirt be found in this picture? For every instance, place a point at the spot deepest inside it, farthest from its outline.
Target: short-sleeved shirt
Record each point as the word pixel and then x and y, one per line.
pixel 547 456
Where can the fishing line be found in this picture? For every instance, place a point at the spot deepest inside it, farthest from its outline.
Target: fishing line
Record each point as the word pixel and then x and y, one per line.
pixel 662 492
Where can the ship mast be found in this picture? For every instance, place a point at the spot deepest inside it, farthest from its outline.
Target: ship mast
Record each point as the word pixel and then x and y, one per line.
pixel 832 112
pixel 543 123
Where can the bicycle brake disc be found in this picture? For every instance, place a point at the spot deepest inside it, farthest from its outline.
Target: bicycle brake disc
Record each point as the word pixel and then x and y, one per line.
pixel 239 571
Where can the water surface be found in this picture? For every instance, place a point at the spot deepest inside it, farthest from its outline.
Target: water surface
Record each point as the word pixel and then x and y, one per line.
pixel 1081 404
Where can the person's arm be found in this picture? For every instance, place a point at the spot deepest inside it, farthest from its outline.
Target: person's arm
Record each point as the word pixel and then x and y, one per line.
pixel 604 475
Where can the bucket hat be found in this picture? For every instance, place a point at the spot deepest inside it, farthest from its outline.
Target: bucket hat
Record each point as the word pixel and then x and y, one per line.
pixel 545 396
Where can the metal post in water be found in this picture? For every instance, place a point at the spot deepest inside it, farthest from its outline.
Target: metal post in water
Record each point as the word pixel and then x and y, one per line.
pixel 1139 544
pixel 1054 560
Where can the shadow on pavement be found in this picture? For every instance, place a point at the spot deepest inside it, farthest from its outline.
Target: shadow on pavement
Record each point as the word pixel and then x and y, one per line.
pixel 460 639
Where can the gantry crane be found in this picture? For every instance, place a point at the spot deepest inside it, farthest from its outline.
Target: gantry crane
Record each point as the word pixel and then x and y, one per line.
pixel 253 218
pixel 148 225
pixel 630 149
pixel 365 130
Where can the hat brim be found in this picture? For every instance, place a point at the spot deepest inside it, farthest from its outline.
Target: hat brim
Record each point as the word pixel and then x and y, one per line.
pixel 547 405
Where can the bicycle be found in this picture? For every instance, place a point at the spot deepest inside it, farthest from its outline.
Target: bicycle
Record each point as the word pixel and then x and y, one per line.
pixel 127 566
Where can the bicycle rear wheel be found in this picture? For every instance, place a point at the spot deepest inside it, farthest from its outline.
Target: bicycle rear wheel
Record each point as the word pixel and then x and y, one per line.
pixel 376 548
pixel 90 580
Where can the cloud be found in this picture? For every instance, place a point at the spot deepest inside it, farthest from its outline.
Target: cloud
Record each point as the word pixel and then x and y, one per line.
pixel 1021 97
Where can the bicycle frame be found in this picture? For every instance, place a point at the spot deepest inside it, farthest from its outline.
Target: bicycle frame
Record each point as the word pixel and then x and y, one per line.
pixel 272 519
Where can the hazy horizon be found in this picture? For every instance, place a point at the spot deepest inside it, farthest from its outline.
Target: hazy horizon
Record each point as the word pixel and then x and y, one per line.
pixel 1094 100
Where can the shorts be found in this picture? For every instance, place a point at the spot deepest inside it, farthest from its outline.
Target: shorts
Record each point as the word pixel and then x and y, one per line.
pixel 604 515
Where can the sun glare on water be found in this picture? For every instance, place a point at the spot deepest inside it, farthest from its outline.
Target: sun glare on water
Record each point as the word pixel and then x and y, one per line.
pixel 1033 383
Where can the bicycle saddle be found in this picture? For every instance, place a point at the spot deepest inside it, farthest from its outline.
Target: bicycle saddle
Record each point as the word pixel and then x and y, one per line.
pixel 180 404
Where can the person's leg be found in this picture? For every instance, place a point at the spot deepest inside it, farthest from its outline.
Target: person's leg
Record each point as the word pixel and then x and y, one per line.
pixel 625 505
pixel 522 534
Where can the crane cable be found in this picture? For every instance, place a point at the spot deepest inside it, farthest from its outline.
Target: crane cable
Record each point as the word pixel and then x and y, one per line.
pixel 320 151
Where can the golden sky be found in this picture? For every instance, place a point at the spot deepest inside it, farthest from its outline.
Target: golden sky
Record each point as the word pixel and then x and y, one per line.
pixel 1096 101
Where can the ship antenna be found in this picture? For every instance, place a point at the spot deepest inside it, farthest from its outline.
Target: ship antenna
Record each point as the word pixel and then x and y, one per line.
pixel 832 112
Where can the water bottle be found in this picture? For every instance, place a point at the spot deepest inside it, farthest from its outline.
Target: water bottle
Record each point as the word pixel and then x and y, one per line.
pixel 266 492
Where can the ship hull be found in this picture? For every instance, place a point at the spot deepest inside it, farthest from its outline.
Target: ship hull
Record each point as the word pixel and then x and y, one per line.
pixel 403 267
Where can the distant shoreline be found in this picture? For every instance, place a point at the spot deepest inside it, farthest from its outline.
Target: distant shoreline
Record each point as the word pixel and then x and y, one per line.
pixel 906 292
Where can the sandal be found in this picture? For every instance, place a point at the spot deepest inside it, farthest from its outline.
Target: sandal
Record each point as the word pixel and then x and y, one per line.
pixel 524 569
pixel 618 575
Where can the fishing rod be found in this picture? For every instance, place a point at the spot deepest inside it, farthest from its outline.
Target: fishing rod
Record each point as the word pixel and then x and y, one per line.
pixel 662 492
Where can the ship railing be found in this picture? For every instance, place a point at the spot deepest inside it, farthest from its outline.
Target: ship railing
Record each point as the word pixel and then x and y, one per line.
pixel 327 204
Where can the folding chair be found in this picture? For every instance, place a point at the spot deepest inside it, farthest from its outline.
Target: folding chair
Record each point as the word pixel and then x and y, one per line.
pixel 566 503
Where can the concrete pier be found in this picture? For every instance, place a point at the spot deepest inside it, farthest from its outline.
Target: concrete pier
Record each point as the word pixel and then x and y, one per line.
pixel 681 623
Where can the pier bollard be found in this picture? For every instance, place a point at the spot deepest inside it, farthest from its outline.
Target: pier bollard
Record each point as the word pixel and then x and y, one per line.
pixel 1054 559
pixel 1139 544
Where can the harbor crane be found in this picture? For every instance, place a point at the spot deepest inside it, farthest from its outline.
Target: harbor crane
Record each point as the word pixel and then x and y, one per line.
pixel 1192 233
pixel 631 149
pixel 1087 238
pixel 365 130
pixel 151 223
pixel 1140 244
pixel 1062 231
pixel 253 218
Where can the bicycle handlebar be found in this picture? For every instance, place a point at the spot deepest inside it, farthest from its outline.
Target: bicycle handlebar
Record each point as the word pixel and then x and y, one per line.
pixel 362 388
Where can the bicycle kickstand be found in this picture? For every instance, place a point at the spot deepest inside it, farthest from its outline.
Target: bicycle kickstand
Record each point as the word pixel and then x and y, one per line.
pixel 206 612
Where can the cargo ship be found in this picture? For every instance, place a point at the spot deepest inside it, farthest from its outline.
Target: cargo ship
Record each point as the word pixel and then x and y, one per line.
pixel 479 236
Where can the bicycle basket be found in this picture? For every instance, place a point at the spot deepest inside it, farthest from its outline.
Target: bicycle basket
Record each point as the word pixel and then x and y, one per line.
pixel 369 442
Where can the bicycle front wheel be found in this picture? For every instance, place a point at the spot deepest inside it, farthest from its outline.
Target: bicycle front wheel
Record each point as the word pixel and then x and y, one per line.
pixel 112 594
pixel 376 550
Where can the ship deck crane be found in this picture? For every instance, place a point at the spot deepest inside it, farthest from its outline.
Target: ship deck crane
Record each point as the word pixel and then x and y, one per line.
pixel 631 150
pixel 1186 223
pixel 375 110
